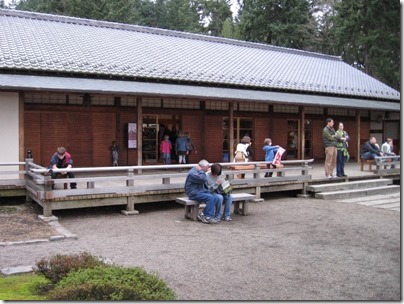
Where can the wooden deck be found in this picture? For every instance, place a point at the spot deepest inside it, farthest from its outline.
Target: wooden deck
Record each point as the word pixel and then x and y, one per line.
pixel 132 185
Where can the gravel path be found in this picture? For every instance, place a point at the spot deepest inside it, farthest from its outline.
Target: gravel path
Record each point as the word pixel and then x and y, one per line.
pixel 286 249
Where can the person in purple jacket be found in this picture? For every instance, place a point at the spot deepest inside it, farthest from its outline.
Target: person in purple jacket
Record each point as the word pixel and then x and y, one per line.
pixel 61 159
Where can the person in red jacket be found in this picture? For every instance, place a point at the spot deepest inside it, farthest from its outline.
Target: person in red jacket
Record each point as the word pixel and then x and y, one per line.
pixel 165 150
pixel 61 159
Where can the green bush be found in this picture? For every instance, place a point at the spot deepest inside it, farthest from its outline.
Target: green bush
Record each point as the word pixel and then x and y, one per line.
pixel 58 266
pixel 112 283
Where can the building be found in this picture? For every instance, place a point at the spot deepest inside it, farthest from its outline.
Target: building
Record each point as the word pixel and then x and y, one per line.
pixel 84 84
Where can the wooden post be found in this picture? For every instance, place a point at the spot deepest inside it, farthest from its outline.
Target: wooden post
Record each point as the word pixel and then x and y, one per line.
pixel 139 133
pixel 302 133
pixel 231 131
pixel 358 134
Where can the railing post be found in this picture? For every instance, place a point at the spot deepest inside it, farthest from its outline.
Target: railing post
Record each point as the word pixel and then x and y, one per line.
pixel 27 169
pixel 305 172
pixel 257 169
pixel 130 182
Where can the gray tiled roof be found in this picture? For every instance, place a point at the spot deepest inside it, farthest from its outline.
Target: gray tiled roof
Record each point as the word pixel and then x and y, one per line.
pixel 41 42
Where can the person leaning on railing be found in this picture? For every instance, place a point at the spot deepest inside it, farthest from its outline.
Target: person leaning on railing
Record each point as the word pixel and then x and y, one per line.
pixel 62 159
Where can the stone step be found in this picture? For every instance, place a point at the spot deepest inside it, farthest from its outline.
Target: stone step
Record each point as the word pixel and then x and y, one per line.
pixel 350 185
pixel 378 197
pixel 383 205
pixel 357 192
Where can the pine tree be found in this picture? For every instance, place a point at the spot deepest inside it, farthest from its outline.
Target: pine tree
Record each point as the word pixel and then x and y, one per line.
pixel 368 36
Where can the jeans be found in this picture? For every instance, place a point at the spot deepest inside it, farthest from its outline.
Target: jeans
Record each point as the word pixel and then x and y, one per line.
pixel 369 155
pixel 340 163
pixel 166 158
pixel 218 213
pixel 211 201
pixel 227 205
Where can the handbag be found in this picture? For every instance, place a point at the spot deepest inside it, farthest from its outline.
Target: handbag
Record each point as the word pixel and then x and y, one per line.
pixel 226 188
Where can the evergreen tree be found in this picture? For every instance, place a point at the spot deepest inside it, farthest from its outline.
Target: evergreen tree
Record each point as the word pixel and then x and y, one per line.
pixel 368 36
pixel 278 22
pixel 216 12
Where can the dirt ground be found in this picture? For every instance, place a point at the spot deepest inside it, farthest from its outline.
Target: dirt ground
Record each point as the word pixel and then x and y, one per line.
pixel 19 221
pixel 287 248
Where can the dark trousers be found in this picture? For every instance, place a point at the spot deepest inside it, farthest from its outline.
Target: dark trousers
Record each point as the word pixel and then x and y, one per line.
pixel 69 175
pixel 270 166
pixel 340 163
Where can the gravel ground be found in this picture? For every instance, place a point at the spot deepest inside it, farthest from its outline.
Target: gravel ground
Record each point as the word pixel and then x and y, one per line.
pixel 287 248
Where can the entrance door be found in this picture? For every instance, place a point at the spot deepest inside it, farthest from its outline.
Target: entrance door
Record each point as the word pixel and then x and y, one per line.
pixel 150 131
pixel 292 145
pixel 154 128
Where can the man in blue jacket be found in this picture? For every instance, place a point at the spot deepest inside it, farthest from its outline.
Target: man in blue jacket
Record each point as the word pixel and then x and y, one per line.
pixel 196 189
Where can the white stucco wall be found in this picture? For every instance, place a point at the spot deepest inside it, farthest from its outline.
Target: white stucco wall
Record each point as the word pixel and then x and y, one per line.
pixel 9 130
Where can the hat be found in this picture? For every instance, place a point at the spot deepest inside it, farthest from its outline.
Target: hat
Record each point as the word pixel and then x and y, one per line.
pixel 246 140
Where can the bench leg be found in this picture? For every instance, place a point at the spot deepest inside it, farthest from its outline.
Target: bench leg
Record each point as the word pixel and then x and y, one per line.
pixel 361 166
pixel 191 212
pixel 240 207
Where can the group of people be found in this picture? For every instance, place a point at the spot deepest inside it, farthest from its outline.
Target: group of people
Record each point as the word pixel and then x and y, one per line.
pixel 336 149
pixel 183 148
pixel 204 184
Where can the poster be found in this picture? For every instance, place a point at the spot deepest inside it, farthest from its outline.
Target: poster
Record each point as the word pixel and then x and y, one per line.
pixel 278 156
pixel 132 135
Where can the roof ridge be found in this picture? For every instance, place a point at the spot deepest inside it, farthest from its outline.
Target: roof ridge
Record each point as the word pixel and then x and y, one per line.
pixel 159 31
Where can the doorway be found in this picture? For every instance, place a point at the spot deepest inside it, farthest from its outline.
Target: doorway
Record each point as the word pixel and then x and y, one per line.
pixel 153 130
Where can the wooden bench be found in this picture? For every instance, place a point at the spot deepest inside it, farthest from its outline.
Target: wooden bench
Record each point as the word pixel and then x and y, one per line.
pixel 369 162
pixel 240 202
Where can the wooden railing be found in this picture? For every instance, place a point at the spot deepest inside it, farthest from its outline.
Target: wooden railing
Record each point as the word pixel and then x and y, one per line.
pixel 130 185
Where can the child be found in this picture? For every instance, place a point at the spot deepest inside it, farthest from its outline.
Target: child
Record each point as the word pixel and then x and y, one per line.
pixel 165 150
pixel 215 178
pixel 270 152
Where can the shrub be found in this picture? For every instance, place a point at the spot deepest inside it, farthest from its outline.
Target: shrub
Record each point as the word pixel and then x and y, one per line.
pixel 112 283
pixel 58 266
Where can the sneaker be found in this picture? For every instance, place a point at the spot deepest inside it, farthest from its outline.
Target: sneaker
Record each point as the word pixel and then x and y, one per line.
pixel 200 217
pixel 213 221
pixel 329 176
pixel 209 220
pixel 227 219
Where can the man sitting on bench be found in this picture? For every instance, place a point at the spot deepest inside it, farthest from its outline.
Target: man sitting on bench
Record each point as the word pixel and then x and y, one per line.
pixel 195 188
pixel 62 159
pixel 370 150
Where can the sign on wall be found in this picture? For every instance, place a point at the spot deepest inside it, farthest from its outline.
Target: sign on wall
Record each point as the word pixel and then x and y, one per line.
pixel 132 135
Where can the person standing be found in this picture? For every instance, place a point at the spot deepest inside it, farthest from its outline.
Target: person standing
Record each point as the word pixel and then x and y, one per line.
pixel 241 153
pixel 181 148
pixel 215 178
pixel 114 154
pixel 196 189
pixel 270 152
pixel 342 150
pixel 62 159
pixel 190 147
pixel 330 145
pixel 165 150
